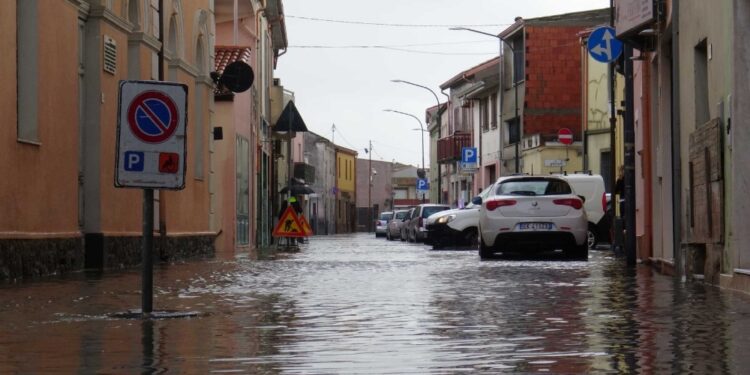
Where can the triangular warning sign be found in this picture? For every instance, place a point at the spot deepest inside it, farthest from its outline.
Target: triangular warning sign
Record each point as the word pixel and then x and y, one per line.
pixel 289 225
pixel 305 226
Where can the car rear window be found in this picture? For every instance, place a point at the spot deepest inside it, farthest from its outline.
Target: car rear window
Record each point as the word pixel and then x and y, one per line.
pixel 534 187
pixel 427 211
pixel 385 216
pixel 401 215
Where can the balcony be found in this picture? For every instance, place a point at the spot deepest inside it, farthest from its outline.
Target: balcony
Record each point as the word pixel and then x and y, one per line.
pixel 305 172
pixel 449 148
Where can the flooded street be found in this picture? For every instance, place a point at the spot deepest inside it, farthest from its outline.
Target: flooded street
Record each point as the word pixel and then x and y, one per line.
pixel 360 305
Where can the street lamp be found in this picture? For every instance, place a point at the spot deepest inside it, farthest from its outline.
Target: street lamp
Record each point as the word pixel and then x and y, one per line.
pixel 421 127
pixel 500 78
pixel 440 131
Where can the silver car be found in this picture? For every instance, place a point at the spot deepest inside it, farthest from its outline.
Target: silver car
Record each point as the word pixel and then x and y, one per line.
pixel 393 230
pixel 381 224
pixel 416 230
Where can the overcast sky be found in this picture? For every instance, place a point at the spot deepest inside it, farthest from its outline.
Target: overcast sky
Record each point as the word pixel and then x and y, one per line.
pixel 350 86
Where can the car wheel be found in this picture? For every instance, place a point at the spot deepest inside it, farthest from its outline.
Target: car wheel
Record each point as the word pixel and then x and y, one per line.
pixel 591 238
pixel 578 252
pixel 471 237
pixel 485 252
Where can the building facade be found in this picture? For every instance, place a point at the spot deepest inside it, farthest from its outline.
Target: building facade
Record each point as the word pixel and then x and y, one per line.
pixel 84 49
pixel 346 190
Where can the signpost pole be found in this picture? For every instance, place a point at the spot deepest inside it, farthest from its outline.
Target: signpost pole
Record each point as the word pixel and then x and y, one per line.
pixel 147 276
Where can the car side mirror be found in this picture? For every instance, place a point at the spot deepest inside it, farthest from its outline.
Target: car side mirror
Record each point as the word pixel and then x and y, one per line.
pixel 477 201
pixel 582 198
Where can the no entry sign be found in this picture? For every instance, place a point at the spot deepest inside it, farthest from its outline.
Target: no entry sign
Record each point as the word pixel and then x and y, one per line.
pixel 565 136
pixel 151 136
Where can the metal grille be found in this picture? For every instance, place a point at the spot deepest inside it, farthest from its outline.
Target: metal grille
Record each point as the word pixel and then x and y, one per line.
pixel 110 55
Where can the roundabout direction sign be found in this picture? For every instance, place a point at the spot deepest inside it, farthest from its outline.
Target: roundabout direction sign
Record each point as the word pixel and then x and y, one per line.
pixel 151 135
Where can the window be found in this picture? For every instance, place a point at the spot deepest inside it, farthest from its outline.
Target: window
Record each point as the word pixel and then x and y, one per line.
pixel 27 58
pixel 702 106
pixel 493 111
pixel 484 114
pixel 514 131
pixel 243 191
pixel 534 187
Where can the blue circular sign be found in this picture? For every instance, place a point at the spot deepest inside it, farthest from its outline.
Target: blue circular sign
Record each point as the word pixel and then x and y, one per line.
pixel 603 46
pixel 153 117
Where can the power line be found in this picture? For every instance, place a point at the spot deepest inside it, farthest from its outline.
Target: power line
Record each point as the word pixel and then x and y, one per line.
pixel 390 24
pixel 394 45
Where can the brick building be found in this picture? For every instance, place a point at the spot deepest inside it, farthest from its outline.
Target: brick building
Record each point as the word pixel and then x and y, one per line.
pixel 541 91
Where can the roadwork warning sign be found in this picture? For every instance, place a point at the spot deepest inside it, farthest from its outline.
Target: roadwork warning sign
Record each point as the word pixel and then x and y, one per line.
pixel 289 225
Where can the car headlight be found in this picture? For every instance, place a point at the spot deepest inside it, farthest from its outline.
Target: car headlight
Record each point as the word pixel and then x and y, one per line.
pixel 445 219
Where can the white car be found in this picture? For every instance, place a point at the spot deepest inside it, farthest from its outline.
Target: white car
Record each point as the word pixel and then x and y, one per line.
pixel 532 213
pixel 591 187
pixel 455 227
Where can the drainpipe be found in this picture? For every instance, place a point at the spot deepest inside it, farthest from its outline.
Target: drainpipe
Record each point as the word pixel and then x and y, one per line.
pixel 676 159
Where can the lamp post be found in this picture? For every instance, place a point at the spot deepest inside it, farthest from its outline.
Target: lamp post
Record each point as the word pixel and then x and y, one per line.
pixel 500 78
pixel 369 189
pixel 421 127
pixel 440 131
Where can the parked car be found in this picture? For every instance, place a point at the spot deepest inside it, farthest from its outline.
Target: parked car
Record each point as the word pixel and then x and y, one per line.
pixel 531 214
pixel 455 227
pixel 404 229
pixel 381 224
pixel 393 229
pixel 591 187
pixel 416 231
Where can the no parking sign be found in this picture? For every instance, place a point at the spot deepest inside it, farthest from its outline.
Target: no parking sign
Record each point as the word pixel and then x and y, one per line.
pixel 151 136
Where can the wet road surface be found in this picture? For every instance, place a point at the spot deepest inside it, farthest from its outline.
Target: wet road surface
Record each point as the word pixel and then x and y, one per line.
pixel 360 305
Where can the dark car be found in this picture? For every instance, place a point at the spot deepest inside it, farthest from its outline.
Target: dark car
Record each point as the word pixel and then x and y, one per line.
pixel 416 231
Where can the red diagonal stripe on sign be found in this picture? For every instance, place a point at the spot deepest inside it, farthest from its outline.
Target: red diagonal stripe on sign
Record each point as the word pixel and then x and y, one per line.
pixel 153 117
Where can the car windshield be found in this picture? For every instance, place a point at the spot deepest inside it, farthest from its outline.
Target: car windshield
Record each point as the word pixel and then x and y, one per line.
pixel 427 211
pixel 534 187
pixel 401 214
pixel 386 216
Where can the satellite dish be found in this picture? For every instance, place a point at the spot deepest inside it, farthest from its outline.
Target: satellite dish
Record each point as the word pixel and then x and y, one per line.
pixel 237 77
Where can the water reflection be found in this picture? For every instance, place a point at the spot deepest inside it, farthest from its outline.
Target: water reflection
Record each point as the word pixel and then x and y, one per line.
pixel 354 304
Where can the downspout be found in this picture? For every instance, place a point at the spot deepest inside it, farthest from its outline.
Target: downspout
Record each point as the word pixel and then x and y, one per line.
pixel 676 158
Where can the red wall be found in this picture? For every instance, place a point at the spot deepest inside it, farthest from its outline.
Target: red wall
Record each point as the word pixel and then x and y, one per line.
pixel 553 80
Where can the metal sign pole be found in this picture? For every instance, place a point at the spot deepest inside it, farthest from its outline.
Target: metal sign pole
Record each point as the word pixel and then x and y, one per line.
pixel 147 275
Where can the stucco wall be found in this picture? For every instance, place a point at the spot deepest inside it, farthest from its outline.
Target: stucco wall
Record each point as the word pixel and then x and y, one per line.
pixel 40 197
pixel 740 136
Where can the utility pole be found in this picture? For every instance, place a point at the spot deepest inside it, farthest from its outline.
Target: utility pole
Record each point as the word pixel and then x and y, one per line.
pixel 369 191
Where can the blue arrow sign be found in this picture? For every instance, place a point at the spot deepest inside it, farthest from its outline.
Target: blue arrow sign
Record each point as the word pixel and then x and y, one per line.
pixel 603 46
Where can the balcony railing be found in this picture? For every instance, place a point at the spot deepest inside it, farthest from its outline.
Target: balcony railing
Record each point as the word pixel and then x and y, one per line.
pixel 449 148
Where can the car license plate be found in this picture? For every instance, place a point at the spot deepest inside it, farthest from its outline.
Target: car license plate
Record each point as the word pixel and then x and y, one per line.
pixel 535 226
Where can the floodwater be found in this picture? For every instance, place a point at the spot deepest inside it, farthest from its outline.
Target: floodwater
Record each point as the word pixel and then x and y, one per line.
pixel 360 305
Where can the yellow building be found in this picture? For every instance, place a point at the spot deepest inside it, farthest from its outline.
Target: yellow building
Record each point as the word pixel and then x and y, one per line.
pixel 346 191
